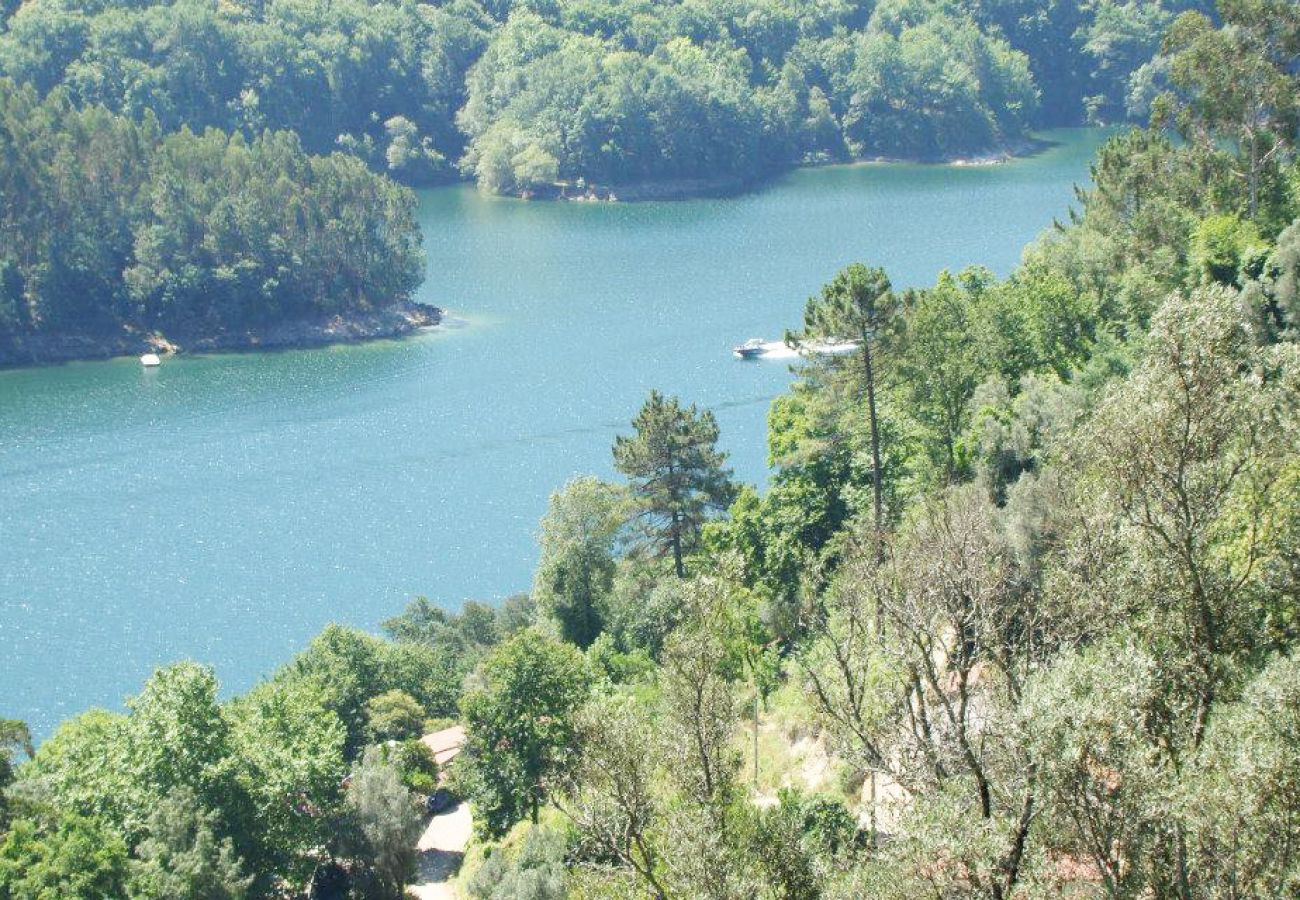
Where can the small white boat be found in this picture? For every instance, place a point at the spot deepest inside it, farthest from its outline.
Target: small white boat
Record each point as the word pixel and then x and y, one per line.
pixel 150 360
pixel 751 349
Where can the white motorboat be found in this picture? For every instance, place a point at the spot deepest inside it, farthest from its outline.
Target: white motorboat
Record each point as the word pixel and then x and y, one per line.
pixel 751 349
pixel 149 360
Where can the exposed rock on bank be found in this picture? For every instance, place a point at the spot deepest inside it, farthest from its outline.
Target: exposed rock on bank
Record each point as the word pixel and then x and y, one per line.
pixel 396 320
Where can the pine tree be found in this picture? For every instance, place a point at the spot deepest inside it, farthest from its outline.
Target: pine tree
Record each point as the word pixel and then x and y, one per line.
pixel 676 472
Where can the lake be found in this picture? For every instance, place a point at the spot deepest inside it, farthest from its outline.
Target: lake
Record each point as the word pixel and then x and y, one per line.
pixel 226 507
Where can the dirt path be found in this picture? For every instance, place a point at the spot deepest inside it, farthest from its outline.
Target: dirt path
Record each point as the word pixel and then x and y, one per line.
pixel 442 847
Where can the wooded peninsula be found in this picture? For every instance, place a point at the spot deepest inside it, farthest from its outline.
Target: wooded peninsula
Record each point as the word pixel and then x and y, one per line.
pixel 207 175
pixel 1015 617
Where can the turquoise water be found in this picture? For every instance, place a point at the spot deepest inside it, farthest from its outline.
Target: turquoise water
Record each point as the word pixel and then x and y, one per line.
pixel 226 507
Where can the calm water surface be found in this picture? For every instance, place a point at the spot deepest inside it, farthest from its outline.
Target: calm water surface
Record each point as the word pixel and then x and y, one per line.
pixel 225 508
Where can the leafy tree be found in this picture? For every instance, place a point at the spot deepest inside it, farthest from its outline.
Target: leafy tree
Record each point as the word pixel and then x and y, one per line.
pixel 937 372
pixel 289 750
pixel 858 305
pixel 576 571
pixel 388 820
pixel 519 729
pixel 1242 803
pixel 416 764
pixel 1238 84
pixel 183 857
pixel 676 473
pixel 13 736
pixel 75 857
pixel 394 716
pixel 612 796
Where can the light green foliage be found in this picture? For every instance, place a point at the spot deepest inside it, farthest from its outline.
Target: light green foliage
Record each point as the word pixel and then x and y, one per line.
pixel 576 572
pixel 387 819
pixel 1277 298
pixel 675 472
pixel 1237 83
pixel 1220 245
pixel 178 740
pixel 115 768
pixel 937 372
pixel 82 766
pixel 595 92
pixel 1130 247
pixel 612 792
pixel 934 85
pixel 645 605
pixel 394 716
pixel 291 763
pixel 1121 38
pixel 73 859
pixel 1184 457
pixel 415 763
pixel 534 870
pixel 381 79
pixel 519 732
pixel 617 667
pixel 349 668
pixel 1087 721
pixel 1243 805
pixel 859 305
pixel 183 857
pixel 1014 435
pixel 702 661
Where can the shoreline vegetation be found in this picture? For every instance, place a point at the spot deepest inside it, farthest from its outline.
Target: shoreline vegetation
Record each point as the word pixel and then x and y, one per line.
pixel 682 189
pixel 1024 571
pixel 397 320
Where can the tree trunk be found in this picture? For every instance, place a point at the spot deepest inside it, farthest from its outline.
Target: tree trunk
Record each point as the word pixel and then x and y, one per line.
pixel 678 565
pixel 877 489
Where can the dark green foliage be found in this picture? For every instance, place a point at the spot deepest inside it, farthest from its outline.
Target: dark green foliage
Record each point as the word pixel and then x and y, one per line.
pixel 795 840
pixel 382 80
pixel 108 226
pixel 183 857
pixel 675 472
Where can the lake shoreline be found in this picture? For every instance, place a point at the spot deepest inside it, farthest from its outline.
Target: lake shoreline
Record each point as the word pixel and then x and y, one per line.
pixel 396 320
pixel 679 189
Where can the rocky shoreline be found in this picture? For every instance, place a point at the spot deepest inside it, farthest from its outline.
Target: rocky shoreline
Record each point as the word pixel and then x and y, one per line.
pixel 733 185
pixel 393 321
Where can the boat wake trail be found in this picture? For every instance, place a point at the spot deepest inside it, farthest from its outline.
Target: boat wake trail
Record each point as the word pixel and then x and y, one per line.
pixel 779 350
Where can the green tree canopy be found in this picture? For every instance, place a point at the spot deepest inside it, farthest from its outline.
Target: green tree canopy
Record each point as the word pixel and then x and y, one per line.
pixel 519 732
pixel 676 473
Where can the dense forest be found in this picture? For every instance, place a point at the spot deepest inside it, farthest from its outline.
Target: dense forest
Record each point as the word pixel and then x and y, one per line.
pixel 202 170
pixel 524 95
pixel 110 227
pixel 1025 577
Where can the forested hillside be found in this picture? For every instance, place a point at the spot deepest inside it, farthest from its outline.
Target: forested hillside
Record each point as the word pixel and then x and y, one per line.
pixel 110 227
pixel 1025 579
pixel 611 92
pixel 179 168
